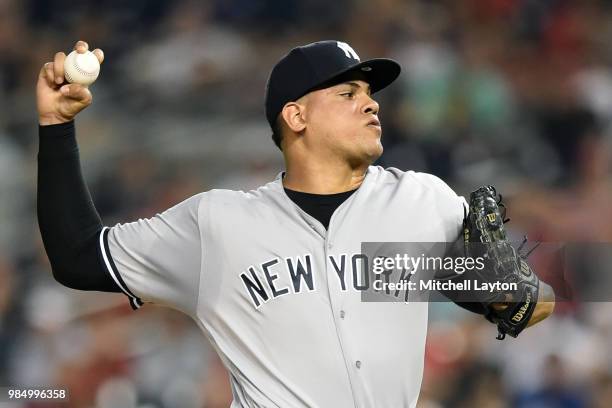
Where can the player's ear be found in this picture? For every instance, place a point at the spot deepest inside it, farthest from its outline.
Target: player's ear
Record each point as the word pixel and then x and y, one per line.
pixel 293 113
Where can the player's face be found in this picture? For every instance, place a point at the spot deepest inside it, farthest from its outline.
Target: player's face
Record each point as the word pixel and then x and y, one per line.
pixel 343 121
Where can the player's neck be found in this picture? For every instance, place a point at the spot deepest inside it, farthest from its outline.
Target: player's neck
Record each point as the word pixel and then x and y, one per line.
pixel 318 178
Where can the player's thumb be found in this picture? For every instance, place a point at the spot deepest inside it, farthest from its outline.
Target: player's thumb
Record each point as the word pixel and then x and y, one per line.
pixel 77 92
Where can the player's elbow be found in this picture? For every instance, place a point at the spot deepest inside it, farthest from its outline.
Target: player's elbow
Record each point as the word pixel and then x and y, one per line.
pixel 67 269
pixel 65 276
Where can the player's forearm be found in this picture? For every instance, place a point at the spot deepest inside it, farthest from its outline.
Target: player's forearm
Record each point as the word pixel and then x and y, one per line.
pixel 68 221
pixel 545 306
pixel 62 193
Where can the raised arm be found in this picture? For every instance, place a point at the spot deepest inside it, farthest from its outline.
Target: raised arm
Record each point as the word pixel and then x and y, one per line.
pixel 154 260
pixel 68 221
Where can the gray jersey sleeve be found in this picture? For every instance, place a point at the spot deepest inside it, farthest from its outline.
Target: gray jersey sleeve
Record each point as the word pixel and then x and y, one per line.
pixel 157 260
pixel 453 207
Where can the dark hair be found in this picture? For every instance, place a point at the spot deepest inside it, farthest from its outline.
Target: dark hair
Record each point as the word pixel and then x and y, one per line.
pixel 277 132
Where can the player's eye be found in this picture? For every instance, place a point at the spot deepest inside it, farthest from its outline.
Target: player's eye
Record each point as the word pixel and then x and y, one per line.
pixel 348 94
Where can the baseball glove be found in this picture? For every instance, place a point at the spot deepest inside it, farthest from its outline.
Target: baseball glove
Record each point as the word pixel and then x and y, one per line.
pixel 484 235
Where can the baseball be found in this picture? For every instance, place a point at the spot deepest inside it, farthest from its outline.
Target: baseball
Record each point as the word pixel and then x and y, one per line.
pixel 81 68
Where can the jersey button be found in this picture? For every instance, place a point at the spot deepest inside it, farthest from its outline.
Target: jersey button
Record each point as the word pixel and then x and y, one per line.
pixel 342 314
pixel 358 364
pixel 330 245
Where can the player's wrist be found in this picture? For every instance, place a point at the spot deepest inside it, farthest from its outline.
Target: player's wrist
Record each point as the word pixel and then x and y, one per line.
pixel 57 140
pixel 545 306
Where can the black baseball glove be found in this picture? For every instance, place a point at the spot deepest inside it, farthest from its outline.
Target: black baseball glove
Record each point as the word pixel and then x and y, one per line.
pixel 484 235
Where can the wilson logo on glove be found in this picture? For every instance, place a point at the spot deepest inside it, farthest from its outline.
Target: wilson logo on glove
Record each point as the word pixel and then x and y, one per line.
pixel 521 313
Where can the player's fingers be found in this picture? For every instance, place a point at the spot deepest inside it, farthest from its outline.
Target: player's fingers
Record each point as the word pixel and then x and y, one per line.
pixel 42 74
pixel 77 92
pixel 81 47
pixel 58 67
pixel 47 72
pixel 99 54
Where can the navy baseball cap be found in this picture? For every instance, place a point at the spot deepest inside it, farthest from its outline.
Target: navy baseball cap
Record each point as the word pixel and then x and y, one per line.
pixel 319 65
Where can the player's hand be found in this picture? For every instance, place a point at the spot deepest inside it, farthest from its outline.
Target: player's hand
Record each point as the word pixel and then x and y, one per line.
pixel 58 101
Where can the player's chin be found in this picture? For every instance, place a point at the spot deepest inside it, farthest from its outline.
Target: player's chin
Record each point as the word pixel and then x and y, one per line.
pixel 373 150
pixel 367 145
pixel 376 143
pixel 379 151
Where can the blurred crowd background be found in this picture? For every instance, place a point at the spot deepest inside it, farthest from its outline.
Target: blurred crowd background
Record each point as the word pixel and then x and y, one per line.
pixel 516 93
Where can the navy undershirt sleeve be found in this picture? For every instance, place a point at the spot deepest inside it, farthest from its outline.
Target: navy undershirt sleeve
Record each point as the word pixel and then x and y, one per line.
pixel 69 223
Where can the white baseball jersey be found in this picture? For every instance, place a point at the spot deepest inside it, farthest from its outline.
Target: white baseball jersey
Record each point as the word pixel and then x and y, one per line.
pixel 277 294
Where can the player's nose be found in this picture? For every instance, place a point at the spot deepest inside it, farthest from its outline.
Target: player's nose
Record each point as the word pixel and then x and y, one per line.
pixel 370 106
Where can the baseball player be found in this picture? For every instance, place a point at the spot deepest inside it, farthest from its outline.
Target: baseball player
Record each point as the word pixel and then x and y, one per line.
pixel 269 275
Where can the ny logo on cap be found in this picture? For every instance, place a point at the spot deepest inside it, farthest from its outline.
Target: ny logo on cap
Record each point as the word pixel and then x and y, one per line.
pixel 348 50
